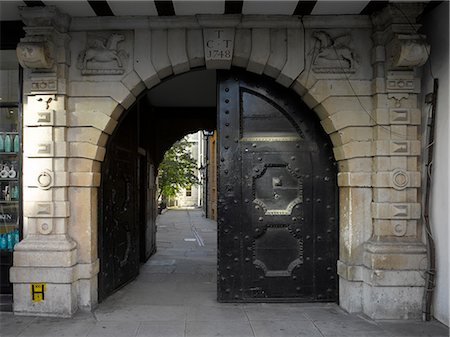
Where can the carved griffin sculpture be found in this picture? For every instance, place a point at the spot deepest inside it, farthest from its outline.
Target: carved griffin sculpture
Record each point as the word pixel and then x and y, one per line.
pixel 333 54
pixel 97 57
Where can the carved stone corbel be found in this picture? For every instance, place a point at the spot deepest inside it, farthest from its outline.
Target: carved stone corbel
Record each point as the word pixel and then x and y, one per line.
pixel 408 51
pixel 35 55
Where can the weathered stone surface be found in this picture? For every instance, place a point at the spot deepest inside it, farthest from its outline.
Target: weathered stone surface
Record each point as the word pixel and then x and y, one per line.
pixel 260 50
pixel 353 150
pixel 335 104
pixel 160 56
pixel 323 89
pixel 389 195
pixel 394 255
pixel 88 151
pixel 350 272
pixel 133 83
pixel 84 179
pixel 61 300
pixel 295 58
pixel 45 110
pixel 392 302
pixel 95 105
pixel 88 293
pixel 344 119
pixel 83 222
pixel 219 46
pixel 83 165
pixel 143 57
pixel 355 179
pixel 355 223
pixel 89 135
pixel 86 119
pixel 176 47
pixel 195 50
pixel 396 210
pixel 57 209
pixel 303 83
pixel 46 179
pixel 278 53
pixel 395 228
pixel 350 295
pixel 242 47
pixel 398 179
pixel 116 90
pixel 350 134
pixel 396 148
pixel 355 165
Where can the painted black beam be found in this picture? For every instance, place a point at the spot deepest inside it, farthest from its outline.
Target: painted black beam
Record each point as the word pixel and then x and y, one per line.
pixel 34 3
pixel 10 34
pixel 165 8
pixel 233 7
pixel 374 6
pixel 101 8
pixel 304 7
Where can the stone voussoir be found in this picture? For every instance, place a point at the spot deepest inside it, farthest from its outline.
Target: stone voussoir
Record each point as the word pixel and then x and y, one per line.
pixel 86 150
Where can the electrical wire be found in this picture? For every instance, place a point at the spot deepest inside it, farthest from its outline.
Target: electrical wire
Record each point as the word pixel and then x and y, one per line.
pixel 359 100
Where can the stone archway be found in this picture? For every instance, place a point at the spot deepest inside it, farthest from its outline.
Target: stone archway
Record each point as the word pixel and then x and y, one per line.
pixel 365 94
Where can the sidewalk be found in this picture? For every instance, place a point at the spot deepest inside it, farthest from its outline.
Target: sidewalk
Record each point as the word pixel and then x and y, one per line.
pixel 175 296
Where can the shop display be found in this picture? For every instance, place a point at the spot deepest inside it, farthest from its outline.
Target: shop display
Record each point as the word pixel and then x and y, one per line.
pixel 9 180
pixel 10 169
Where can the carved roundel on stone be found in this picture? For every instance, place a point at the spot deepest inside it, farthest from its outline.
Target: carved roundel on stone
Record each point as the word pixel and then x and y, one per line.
pixel 400 179
pixel 400 228
pixel 45 179
pixel 45 228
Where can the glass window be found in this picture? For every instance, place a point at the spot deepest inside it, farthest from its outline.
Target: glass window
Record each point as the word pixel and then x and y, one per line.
pixel 10 151
pixel 189 191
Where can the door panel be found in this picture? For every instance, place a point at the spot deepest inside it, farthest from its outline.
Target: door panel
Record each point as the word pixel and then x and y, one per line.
pixel 119 221
pixel 277 200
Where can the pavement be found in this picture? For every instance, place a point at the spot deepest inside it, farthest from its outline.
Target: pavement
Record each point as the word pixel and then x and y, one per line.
pixel 175 296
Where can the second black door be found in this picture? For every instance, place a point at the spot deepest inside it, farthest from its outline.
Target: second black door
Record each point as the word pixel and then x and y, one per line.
pixel 277 224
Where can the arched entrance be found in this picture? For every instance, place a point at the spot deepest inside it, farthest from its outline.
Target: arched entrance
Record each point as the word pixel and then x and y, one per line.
pixel 277 195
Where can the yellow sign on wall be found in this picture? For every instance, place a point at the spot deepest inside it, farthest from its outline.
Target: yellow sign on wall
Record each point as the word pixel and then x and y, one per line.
pixel 38 291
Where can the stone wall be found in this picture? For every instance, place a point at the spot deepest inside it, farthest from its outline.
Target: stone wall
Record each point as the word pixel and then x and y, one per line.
pixel 358 74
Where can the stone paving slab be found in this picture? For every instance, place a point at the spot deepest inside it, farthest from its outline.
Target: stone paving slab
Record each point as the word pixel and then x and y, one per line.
pixel 175 296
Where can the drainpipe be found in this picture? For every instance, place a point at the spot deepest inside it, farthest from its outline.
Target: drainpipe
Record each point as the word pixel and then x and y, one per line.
pixel 431 254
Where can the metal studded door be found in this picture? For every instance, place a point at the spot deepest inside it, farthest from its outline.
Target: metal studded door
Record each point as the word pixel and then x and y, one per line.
pixel 118 223
pixel 277 199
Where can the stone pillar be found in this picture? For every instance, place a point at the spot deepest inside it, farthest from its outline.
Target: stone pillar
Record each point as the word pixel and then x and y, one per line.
pixel 395 257
pixel 46 254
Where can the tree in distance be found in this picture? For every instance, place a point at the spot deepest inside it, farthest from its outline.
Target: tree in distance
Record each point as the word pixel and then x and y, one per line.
pixel 176 171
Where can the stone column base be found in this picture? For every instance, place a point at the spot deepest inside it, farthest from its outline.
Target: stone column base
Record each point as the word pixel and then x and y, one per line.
pixel 66 287
pixel 350 295
pixel 60 300
pixel 392 302
pixel 380 293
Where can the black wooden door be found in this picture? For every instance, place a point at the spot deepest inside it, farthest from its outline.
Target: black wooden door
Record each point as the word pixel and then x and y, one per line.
pixel 277 224
pixel 119 224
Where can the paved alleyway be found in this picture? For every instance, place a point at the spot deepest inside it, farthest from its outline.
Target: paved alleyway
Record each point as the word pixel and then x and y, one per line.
pixel 175 296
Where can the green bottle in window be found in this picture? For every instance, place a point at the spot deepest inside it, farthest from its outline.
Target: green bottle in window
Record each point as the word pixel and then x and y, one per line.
pixel 2 143
pixel 16 143
pixel 7 143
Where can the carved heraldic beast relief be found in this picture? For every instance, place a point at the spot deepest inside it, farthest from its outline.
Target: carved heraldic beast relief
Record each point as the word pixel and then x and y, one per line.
pixel 103 57
pixel 332 55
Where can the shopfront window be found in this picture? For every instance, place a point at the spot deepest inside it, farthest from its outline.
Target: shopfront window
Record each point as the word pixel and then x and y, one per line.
pixel 10 163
